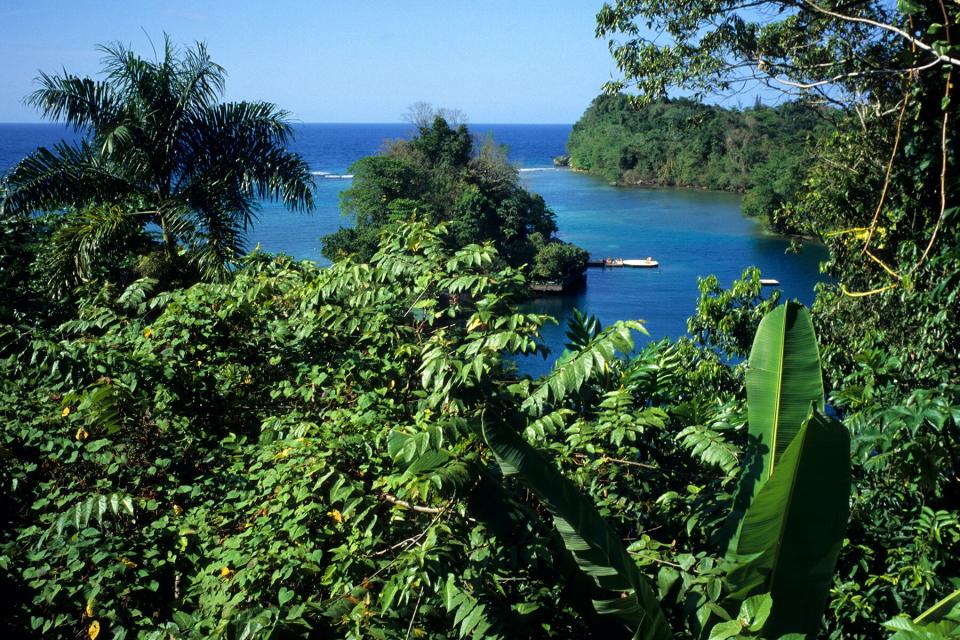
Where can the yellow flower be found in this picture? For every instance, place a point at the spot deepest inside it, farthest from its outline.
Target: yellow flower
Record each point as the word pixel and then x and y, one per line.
pixel 247 380
pixel 82 434
pixel 147 332
pixel 65 412
pixel 128 563
pixel 93 630
pixel 283 454
pixel 177 509
pixel 89 608
pixel 226 572
pixel 335 515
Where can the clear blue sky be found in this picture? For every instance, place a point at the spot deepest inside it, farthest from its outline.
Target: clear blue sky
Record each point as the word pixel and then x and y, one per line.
pixel 525 61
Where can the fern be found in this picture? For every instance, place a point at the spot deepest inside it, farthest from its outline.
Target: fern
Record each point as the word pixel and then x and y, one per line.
pixel 135 296
pixel 549 424
pixel 467 611
pixel 704 436
pixel 657 368
pixel 100 405
pixel 96 508
pixel 581 329
pixel 574 369
pixel 710 448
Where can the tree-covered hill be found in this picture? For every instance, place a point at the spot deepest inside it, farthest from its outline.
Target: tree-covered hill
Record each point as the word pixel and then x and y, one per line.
pixel 442 175
pixel 762 151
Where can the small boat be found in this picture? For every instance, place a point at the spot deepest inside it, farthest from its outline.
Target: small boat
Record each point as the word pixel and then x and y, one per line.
pixel 648 263
pixel 769 282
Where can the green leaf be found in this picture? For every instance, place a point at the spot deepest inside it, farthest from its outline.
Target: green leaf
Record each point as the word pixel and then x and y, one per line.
pixel 725 630
pixel 755 610
pixel 783 379
pixel 942 609
pixel 591 541
pixel 794 529
pixel 574 369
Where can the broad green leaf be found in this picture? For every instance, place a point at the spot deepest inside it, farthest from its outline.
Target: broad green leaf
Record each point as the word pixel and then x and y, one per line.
pixel 948 607
pixel 783 379
pixel 591 541
pixel 793 531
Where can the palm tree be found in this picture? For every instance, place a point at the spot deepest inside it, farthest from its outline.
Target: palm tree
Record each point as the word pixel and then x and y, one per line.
pixel 161 161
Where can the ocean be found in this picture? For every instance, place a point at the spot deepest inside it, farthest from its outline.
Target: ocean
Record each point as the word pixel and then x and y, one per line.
pixel 691 233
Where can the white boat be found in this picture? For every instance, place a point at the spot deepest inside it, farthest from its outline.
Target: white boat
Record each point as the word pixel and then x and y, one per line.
pixel 769 282
pixel 649 263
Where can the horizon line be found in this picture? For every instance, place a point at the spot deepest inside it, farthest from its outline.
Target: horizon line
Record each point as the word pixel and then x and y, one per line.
pixel 296 122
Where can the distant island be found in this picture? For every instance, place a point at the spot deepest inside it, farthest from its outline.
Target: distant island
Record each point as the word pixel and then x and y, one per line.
pixel 762 152
pixel 441 176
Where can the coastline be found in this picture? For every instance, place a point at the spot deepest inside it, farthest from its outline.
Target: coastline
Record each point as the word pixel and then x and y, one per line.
pixel 765 227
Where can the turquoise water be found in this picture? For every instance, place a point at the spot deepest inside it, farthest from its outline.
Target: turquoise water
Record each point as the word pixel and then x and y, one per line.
pixel 691 233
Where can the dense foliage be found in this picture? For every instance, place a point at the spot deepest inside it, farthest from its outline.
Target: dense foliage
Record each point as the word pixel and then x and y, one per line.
pixel 301 449
pixel 881 192
pixel 762 151
pixel 351 452
pixel 440 176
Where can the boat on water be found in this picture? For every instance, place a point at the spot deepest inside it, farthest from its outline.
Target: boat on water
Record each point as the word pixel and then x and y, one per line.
pixel 648 263
pixel 769 282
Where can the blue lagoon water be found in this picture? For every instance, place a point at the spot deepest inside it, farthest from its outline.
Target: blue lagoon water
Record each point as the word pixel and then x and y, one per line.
pixel 691 233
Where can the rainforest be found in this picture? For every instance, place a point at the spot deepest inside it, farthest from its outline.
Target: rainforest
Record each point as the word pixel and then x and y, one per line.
pixel 201 439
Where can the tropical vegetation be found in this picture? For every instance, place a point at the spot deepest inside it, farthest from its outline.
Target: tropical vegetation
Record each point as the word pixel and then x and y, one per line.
pixel 761 151
pixel 282 450
pixel 164 180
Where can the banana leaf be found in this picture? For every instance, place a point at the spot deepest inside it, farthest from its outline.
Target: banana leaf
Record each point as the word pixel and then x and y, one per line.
pixel 792 532
pixel 783 378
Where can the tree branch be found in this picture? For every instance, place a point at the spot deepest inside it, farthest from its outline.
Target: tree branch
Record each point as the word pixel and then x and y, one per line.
pixel 882 25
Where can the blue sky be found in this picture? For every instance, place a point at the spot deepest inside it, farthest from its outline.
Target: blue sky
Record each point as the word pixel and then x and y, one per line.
pixel 527 61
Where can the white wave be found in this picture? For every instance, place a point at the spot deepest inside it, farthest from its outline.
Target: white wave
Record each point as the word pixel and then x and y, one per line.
pixel 332 176
pixel 532 169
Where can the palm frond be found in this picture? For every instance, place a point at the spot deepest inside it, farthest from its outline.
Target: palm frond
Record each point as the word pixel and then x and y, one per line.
pixel 242 146
pixel 86 240
pixel 67 176
pixel 80 102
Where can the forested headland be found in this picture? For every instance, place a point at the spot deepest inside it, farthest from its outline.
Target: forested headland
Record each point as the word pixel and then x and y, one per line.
pixel 763 152
pixel 441 175
pixel 199 441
